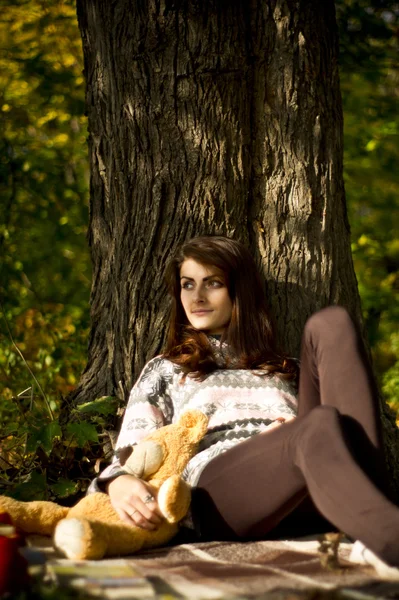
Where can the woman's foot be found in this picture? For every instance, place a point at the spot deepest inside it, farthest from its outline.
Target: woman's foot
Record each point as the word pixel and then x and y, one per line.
pixel 362 555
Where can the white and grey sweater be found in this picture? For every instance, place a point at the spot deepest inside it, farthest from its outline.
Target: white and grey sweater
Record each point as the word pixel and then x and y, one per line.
pixel 239 403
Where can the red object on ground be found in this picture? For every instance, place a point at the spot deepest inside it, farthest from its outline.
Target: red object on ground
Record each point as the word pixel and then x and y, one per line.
pixel 13 566
pixel 5 519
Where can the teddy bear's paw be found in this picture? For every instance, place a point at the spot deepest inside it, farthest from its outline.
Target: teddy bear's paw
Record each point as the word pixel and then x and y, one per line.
pixel 74 538
pixel 174 498
pixel 68 538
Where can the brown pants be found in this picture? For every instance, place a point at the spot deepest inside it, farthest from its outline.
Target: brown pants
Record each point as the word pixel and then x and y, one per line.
pixel 331 453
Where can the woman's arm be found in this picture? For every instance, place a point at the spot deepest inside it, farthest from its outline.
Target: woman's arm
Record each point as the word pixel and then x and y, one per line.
pixel 149 408
pixel 150 405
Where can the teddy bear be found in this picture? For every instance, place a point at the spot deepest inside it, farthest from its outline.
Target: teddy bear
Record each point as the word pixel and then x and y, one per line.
pixel 92 529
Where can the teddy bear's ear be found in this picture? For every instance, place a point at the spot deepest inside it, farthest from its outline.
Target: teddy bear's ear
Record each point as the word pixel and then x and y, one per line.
pixel 123 454
pixel 195 422
pixel 146 458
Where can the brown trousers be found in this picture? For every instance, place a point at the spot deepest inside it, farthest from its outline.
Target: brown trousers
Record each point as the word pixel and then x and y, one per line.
pixel 331 453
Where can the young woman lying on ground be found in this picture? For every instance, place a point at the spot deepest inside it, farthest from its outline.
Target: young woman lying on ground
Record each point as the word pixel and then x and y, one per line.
pixel 268 449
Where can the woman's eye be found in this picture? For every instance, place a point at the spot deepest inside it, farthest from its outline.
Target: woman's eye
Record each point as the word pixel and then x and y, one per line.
pixel 215 284
pixel 186 285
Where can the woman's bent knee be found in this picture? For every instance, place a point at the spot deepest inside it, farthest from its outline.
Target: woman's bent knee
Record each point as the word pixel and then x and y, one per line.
pixel 337 315
pixel 331 322
pixel 322 424
pixel 318 435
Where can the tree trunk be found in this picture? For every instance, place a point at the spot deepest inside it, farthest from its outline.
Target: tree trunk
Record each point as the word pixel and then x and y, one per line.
pixel 210 116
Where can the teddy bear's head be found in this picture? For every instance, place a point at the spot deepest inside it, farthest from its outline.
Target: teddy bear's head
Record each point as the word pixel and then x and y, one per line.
pixel 167 451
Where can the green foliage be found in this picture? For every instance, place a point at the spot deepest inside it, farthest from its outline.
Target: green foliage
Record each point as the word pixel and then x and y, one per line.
pixel 390 380
pixel 40 459
pixel 64 488
pixel 33 488
pixel 43 436
pixel 369 83
pixel 102 406
pixel 82 433
pixel 45 266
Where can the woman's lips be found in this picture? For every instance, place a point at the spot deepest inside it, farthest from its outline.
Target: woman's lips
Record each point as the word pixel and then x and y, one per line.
pixel 200 312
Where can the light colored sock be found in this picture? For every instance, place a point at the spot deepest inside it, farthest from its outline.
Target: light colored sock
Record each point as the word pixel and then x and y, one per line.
pixel 363 556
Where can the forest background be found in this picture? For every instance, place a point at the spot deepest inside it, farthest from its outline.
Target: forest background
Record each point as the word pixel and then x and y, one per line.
pixel 45 272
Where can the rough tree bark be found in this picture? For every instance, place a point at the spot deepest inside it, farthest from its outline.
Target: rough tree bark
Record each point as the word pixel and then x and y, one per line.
pixel 210 116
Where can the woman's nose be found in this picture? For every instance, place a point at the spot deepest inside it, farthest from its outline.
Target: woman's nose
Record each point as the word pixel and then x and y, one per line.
pixel 199 295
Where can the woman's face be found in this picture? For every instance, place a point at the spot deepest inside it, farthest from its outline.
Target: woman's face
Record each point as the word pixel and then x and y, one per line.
pixel 205 297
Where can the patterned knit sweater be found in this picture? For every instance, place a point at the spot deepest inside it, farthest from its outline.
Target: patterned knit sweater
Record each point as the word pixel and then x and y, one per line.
pixel 239 403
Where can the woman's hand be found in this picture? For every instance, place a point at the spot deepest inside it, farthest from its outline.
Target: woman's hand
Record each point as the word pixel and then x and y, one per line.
pixel 134 501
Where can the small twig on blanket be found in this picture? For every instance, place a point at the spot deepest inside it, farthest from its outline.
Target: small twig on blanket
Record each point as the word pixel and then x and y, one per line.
pixel 328 549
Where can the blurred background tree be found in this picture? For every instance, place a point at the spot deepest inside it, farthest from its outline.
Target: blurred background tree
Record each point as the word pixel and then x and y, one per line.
pixel 45 265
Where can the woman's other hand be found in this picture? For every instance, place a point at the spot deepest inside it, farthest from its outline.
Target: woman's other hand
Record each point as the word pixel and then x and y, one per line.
pixel 134 501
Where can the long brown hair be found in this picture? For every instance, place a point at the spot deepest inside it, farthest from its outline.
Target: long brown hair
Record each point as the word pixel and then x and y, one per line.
pixel 250 334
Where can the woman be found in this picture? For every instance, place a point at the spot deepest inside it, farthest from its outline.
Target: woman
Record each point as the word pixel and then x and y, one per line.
pixel 258 464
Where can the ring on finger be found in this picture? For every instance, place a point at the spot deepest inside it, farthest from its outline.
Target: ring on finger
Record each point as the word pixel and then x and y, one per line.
pixel 149 498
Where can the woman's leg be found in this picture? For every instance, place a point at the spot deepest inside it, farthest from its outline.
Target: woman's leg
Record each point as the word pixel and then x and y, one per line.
pixel 247 491
pixel 335 370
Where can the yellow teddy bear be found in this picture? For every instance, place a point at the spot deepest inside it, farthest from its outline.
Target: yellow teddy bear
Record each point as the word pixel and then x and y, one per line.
pixel 92 529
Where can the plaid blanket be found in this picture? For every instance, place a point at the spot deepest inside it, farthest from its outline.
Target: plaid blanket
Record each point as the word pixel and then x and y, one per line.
pixel 307 568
